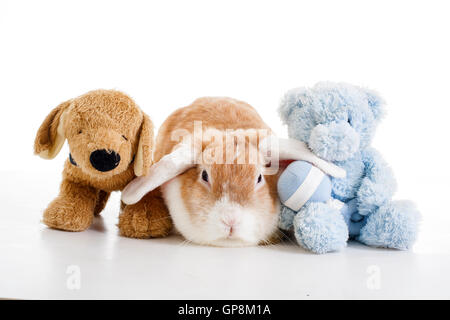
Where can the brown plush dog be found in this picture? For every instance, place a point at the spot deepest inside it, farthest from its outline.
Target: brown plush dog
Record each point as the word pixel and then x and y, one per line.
pixel 111 142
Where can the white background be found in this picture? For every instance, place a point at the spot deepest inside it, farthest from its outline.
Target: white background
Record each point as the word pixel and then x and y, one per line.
pixel 167 53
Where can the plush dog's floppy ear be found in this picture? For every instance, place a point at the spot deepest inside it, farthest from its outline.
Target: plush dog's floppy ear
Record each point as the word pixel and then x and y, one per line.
pixel 143 159
pixel 50 136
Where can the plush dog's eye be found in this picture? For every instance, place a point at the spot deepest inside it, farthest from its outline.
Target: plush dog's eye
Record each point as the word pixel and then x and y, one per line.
pixel 259 180
pixel 205 176
pixel 125 137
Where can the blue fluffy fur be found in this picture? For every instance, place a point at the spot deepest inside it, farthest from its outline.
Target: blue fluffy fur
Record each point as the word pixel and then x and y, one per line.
pixel 394 223
pixel 286 220
pixel 338 122
pixel 320 228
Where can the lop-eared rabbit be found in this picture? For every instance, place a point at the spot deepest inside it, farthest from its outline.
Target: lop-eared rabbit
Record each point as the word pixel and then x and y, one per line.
pixel 211 159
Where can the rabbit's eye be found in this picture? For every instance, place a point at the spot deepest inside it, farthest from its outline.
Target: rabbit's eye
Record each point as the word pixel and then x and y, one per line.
pixel 259 180
pixel 205 176
pixel 126 139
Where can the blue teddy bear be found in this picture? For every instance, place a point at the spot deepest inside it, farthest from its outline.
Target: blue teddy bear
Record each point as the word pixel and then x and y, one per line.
pixel 337 121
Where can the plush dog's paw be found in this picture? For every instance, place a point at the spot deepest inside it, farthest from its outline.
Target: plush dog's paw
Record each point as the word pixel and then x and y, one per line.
pixel 320 228
pixel 137 222
pixel 68 215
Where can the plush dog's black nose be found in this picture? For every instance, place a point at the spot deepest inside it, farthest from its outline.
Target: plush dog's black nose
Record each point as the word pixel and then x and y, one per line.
pixel 104 160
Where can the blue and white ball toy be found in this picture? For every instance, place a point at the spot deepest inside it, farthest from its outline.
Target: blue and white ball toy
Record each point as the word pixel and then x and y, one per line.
pixel 304 186
pixel 302 182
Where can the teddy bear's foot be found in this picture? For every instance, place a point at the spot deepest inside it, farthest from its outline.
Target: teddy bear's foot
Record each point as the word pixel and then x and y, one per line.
pixel 149 218
pixel 65 214
pixel 320 228
pixel 394 225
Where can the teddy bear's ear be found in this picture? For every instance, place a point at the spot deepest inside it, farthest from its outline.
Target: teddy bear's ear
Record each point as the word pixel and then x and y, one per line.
pixel 143 159
pixel 290 101
pixel 376 103
pixel 50 136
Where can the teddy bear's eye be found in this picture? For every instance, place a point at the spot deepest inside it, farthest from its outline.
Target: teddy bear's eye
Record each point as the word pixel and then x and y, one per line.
pixel 125 137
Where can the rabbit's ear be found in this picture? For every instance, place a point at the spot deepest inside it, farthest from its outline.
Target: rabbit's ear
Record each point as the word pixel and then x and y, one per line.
pixel 376 103
pixel 50 136
pixel 143 159
pixel 280 149
pixel 168 167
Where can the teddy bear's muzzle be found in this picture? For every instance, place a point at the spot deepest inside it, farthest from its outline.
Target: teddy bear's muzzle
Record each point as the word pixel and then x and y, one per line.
pixel 336 141
pixel 104 160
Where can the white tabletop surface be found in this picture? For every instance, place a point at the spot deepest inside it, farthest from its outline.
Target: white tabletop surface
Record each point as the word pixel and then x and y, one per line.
pixel 40 263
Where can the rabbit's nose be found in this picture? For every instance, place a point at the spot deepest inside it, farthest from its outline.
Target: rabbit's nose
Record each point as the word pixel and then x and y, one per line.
pixel 229 222
pixel 104 160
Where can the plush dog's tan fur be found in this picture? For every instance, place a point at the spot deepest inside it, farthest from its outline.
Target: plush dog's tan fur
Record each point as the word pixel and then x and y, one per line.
pixel 110 120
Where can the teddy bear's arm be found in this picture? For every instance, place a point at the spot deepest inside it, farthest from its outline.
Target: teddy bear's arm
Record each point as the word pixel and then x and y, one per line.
pixel 378 183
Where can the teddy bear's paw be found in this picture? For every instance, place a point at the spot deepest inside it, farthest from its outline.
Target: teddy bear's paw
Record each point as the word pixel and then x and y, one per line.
pixel 68 215
pixel 143 224
pixel 320 228
pixel 372 195
pixel 394 225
